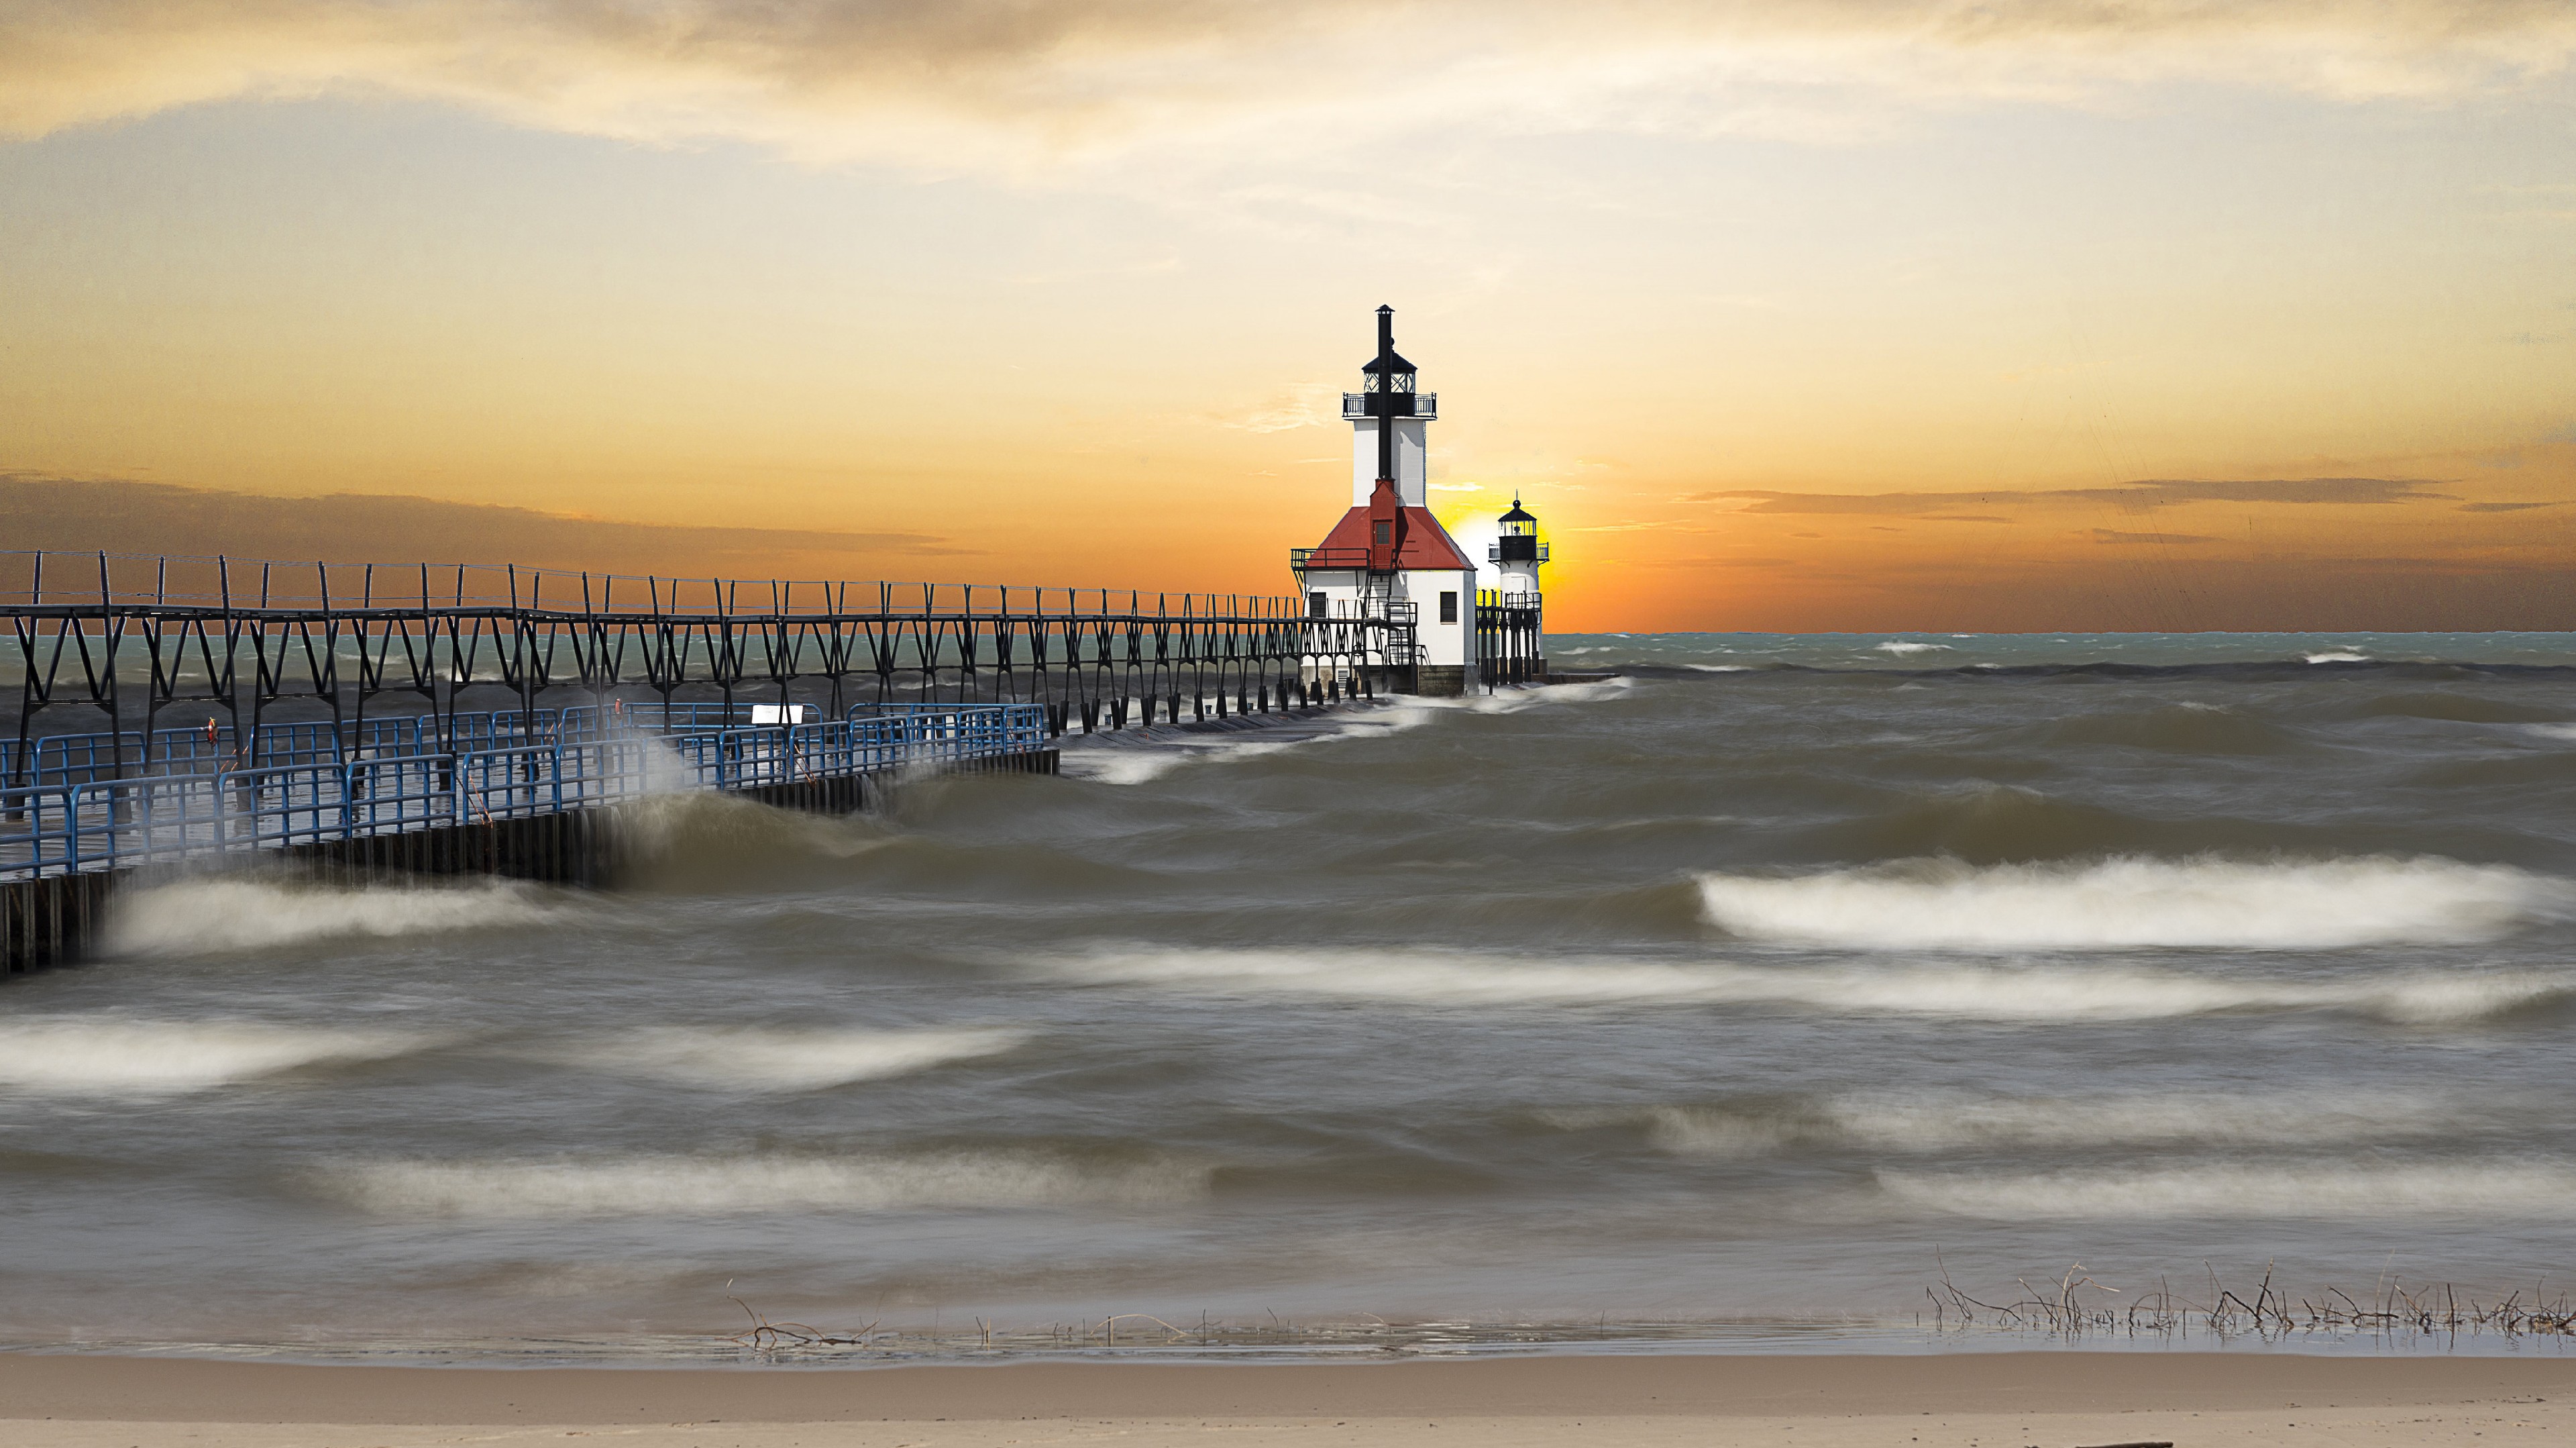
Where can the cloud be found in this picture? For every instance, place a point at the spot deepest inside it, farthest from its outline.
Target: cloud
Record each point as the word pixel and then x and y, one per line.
pixel 2346 491
pixel 2129 497
pixel 2109 535
pixel 122 516
pixel 1306 404
pixel 1964 518
pixel 1706 562
pixel 948 85
pixel 2507 507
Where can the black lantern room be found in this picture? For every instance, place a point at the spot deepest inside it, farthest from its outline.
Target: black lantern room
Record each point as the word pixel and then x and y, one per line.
pixel 1519 542
pixel 1387 379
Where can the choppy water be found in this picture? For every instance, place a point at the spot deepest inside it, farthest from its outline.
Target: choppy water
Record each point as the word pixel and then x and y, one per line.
pixel 1731 991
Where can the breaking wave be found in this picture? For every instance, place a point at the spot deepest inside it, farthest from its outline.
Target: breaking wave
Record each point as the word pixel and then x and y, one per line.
pixel 2487 1188
pixel 148 1058
pixel 1142 763
pixel 226 913
pixel 1952 1122
pixel 675 1185
pixel 1976 991
pixel 2455 709
pixel 2133 902
pixel 746 1058
pixel 703 833
pixel 2187 727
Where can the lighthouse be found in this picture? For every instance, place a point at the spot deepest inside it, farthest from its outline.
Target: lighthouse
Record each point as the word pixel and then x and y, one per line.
pixel 1388 557
pixel 1511 642
pixel 1517 552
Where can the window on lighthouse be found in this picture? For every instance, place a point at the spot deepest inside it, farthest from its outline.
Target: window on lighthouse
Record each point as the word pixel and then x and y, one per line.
pixel 1385 534
pixel 1448 608
pixel 1317 605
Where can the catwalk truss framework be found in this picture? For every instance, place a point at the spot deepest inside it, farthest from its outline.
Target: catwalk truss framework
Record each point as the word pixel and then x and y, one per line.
pixel 115 644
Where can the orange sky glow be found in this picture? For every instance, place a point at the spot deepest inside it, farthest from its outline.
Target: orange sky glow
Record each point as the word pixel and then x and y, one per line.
pixel 1814 314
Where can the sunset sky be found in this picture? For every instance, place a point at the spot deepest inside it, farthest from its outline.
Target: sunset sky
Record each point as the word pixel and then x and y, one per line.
pixel 1798 315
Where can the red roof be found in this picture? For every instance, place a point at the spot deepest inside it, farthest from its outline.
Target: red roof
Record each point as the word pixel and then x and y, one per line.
pixel 1428 548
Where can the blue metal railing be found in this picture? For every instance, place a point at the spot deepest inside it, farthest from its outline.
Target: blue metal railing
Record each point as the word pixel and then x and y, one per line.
pixel 67 759
pixel 64 759
pixel 94 824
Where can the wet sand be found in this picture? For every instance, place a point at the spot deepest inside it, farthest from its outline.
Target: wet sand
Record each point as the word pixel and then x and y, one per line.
pixel 2057 1399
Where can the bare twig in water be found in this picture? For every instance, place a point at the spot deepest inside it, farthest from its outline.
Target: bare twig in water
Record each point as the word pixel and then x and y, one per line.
pixel 2061 1309
pixel 766 1336
pixel 1109 1326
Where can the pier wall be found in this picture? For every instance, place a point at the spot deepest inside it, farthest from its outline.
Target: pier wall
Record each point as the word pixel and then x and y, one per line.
pixel 51 920
pixel 1442 681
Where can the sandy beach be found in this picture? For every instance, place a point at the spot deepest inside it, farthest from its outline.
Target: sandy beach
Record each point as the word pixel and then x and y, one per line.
pixel 2048 1399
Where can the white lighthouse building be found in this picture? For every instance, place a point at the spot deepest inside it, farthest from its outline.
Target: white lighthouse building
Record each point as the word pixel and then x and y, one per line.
pixel 1388 557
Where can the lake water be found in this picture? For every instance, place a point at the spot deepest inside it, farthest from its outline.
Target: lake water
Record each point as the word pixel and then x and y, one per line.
pixel 1754 988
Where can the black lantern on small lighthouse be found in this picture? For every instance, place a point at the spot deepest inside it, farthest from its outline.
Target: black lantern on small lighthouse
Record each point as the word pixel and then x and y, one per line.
pixel 1517 550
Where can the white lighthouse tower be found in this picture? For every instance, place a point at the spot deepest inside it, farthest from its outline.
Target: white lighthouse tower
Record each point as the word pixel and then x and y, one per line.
pixel 1511 642
pixel 1388 557
pixel 1517 552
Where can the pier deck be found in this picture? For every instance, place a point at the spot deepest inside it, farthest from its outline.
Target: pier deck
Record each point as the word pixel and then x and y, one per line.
pixel 177 711
pixel 541 810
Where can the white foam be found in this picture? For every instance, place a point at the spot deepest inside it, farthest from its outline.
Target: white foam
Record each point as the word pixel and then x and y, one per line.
pixel 673 1185
pixel 1143 763
pixel 1976 991
pixel 2133 902
pixel 2551 731
pixel 1140 764
pixel 1721 668
pixel 1903 647
pixel 1120 766
pixel 745 1058
pixel 112 1056
pixel 217 913
pixel 660 824
pixel 2338 656
pixel 662 768
pixel 2485 1188
pixel 1425 976
pixel 1516 699
pixel 1944 1122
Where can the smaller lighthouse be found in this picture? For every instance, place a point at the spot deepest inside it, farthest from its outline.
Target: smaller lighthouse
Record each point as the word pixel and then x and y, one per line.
pixel 1511 643
pixel 1517 553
